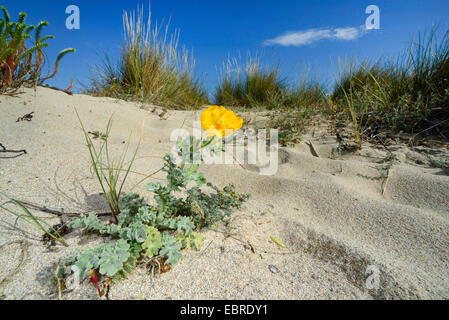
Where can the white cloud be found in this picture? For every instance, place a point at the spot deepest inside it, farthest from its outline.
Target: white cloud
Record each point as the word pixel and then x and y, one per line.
pixel 299 38
pixel 305 37
pixel 349 33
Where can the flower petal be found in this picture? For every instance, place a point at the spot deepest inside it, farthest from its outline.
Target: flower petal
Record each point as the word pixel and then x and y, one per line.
pixel 211 116
pixel 216 120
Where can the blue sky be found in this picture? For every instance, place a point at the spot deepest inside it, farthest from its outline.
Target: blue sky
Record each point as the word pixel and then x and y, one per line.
pixel 303 36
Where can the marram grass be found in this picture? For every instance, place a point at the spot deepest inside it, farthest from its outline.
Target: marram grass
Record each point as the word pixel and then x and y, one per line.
pixel 410 94
pixel 152 68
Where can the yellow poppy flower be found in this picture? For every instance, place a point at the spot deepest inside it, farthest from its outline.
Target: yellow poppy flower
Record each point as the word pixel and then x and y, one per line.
pixel 219 121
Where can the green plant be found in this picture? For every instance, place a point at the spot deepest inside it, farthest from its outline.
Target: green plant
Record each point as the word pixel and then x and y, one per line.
pixel 98 135
pixel 290 123
pixel 290 127
pixel 151 68
pixel 337 151
pixel 143 231
pixel 438 163
pixel 289 137
pixel 357 108
pixel 410 94
pixel 384 170
pixel 20 62
pixel 107 170
pixel 255 85
pixel 251 85
pixel 388 163
pixel 308 94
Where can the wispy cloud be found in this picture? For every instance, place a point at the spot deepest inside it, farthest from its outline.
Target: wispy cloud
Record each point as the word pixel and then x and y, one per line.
pixel 306 37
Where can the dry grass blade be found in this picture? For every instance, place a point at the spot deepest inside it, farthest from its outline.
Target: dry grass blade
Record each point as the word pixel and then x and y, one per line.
pixel 28 217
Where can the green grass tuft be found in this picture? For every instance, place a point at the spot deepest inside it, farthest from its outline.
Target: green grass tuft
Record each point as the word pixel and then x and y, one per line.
pixel 152 68
pixel 253 85
pixel 410 94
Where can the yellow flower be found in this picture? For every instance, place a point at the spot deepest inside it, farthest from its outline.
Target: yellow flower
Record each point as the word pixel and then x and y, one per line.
pixel 219 121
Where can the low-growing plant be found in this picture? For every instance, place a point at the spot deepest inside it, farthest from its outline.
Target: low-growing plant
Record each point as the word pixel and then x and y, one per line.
pixel 337 151
pixel 22 58
pixel 385 169
pixel 290 123
pixel 442 163
pixel 388 163
pixel 159 232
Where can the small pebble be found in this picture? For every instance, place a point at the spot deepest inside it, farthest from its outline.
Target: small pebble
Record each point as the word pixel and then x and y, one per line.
pixel 273 269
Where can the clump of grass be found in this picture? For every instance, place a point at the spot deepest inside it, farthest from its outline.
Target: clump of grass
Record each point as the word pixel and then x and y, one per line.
pixel 22 58
pixel 409 94
pixel 250 85
pixel 255 85
pixel 107 170
pixel 356 106
pixel 307 94
pixel 388 162
pixel 152 68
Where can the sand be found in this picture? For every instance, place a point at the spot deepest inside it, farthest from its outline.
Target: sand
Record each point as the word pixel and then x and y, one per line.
pixel 334 217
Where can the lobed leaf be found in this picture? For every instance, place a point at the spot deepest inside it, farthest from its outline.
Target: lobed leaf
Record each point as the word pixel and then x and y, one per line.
pixel 153 243
pixel 170 249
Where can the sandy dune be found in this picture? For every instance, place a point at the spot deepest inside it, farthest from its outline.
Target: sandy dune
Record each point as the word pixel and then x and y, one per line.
pixel 331 214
